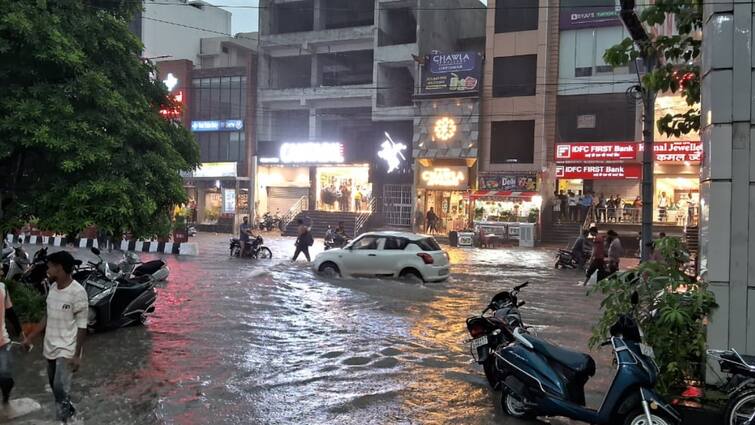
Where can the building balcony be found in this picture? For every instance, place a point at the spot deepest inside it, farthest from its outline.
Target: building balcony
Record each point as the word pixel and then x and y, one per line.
pixel 309 94
pixel 339 39
pixel 397 53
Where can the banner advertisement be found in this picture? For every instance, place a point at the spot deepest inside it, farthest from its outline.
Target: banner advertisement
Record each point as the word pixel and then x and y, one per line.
pixel 451 74
pixel 514 183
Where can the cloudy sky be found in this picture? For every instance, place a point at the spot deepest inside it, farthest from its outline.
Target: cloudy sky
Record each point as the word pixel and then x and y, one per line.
pixel 245 16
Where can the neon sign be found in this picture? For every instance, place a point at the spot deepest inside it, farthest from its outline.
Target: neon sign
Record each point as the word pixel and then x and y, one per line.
pixel 445 128
pixel 311 152
pixel 390 152
pixel 170 81
pixel 175 111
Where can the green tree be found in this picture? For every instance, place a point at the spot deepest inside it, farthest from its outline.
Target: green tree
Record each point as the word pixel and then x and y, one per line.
pixel 81 138
pixel 679 70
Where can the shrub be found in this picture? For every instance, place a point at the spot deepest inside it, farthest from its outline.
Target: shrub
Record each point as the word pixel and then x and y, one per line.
pixel 672 311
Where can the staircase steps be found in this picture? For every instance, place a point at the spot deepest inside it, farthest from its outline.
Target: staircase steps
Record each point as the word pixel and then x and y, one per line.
pixel 562 233
pixel 320 221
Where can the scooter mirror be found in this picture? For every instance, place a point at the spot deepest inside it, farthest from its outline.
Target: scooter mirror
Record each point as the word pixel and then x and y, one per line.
pixel 635 298
pixel 95 251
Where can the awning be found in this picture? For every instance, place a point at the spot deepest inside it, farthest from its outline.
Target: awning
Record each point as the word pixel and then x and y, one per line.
pixel 502 194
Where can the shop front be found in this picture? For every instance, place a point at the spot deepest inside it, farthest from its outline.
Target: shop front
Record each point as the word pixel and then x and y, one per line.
pixel 443 188
pixel 503 202
pixel 321 175
pixel 217 197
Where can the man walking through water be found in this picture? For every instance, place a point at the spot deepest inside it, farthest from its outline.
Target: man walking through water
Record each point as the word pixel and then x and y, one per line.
pixel 65 327
pixel 303 242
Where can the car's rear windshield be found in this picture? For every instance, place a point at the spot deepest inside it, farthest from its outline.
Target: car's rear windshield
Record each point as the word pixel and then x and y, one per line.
pixel 427 244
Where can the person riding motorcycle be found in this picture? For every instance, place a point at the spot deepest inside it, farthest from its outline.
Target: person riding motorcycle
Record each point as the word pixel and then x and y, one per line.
pixel 340 237
pixel 330 235
pixel 245 235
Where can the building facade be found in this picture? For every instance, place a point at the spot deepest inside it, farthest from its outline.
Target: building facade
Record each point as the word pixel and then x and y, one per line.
pixel 173 29
pixel 336 103
pixel 219 98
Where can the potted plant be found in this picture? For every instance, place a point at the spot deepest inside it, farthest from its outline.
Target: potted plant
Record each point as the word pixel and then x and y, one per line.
pixel 29 305
pixel 532 216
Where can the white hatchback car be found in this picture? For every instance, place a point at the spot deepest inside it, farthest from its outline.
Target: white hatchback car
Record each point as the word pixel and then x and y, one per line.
pixel 387 254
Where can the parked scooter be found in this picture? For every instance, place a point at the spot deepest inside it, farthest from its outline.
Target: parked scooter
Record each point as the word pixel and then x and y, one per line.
pixel 116 301
pixel 131 266
pixel 490 332
pixel 546 380
pixel 18 263
pixel 740 387
pixel 270 222
pixel 255 250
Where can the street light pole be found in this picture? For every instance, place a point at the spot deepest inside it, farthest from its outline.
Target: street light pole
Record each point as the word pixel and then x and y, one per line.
pixel 640 36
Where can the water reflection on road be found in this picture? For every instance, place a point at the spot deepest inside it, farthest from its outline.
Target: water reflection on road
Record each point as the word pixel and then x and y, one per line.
pixel 240 342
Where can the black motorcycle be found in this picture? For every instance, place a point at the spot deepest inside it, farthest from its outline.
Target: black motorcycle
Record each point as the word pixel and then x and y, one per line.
pixel 489 332
pixel 740 387
pixel 255 250
pixel 116 301
pixel 270 222
pixel 336 242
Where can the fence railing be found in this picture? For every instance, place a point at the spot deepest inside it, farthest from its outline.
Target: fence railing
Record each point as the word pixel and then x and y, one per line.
pixel 363 216
pixel 292 212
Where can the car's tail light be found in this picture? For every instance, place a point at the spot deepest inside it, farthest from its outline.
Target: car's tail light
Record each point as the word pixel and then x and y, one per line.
pixel 477 331
pixel 427 258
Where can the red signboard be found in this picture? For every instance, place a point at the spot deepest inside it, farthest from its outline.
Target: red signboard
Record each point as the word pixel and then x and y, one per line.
pixel 598 151
pixel 599 172
pixel 678 151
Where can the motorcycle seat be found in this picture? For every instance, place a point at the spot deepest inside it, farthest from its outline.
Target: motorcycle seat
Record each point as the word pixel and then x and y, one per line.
pixel 750 360
pixel 580 363
pixel 136 281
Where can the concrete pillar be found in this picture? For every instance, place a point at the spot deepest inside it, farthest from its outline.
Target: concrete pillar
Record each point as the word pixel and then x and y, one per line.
pixel 315 74
pixel 319 19
pixel 313 133
pixel 727 175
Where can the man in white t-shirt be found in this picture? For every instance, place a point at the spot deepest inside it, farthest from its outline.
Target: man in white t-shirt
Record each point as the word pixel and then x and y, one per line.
pixel 6 365
pixel 65 328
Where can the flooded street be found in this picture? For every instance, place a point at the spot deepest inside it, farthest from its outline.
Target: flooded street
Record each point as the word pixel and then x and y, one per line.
pixel 269 342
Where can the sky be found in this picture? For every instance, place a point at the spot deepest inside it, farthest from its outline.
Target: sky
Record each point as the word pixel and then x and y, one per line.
pixel 244 19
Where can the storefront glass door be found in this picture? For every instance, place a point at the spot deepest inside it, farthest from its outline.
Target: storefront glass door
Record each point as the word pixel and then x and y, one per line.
pixel 343 188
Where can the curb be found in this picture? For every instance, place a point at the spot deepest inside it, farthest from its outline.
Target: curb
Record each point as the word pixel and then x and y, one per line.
pixel 125 245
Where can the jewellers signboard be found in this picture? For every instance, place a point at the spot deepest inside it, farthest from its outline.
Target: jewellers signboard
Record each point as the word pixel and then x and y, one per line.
pixel 600 172
pixel 451 74
pixel 572 18
pixel 603 151
pixel 678 151
pixel 509 182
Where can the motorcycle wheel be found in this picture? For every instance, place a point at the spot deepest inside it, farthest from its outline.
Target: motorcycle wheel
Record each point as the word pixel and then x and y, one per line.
pixel 264 253
pixel 489 367
pixel 514 407
pixel 740 408
pixel 637 417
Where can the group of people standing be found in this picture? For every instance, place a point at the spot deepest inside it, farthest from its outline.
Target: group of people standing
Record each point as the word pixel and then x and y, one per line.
pixel 574 207
pixel 597 253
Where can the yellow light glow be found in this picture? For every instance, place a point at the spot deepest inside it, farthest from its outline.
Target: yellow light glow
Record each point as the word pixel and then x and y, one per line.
pixel 445 128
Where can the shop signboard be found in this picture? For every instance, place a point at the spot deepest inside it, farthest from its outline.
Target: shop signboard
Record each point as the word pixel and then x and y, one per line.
pixel 229 201
pixel 311 153
pixel 684 151
pixel 572 18
pixel 596 151
pixel 451 177
pixel 215 125
pixel 600 172
pixel 450 74
pixel 215 170
pixel 509 182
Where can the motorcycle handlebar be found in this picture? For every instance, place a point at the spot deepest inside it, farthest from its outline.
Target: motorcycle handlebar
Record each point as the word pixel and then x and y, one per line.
pixel 520 287
pixel 521 303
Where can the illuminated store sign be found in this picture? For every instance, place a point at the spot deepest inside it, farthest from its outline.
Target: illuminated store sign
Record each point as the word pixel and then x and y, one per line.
pixel 599 172
pixel 391 153
pixel 224 125
pixel 311 153
pixel 170 81
pixel 216 169
pixel 444 129
pixel 445 177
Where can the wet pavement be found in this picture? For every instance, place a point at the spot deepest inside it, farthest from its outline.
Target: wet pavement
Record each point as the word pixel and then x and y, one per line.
pixel 269 342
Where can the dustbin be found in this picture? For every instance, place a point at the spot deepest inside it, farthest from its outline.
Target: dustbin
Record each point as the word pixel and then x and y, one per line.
pixel 527 235
pixel 453 238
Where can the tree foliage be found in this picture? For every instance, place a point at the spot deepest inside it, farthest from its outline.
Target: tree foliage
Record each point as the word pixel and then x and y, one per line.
pixel 672 312
pixel 81 138
pixel 679 70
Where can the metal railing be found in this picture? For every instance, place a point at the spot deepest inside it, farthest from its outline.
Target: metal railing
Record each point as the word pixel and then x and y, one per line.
pixel 363 216
pixel 292 212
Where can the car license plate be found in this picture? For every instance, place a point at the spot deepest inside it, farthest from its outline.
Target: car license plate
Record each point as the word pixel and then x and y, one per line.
pixel 479 342
pixel 647 350
pixel 443 272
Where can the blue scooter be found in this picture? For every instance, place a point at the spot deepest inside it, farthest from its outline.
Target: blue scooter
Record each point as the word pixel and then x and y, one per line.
pixel 541 379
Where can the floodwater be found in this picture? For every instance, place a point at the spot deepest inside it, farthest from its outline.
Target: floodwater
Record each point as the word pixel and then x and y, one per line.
pixel 269 342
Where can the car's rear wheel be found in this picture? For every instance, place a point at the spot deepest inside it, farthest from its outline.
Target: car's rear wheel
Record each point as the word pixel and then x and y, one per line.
pixel 411 276
pixel 329 269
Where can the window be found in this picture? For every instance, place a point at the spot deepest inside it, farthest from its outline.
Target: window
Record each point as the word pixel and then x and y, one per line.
pixel 512 142
pixel 427 244
pixel 516 15
pixel 515 76
pixel 395 244
pixel 367 243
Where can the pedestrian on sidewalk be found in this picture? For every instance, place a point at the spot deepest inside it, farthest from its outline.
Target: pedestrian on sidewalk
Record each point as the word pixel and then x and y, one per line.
pixel 584 206
pixel 65 328
pixel 556 207
pixel 6 359
pixel 573 206
pixel 431 221
pixel 303 241
pixel 615 251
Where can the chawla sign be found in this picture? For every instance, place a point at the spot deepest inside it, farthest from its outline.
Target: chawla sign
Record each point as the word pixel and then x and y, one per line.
pixel 451 177
pixel 451 74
